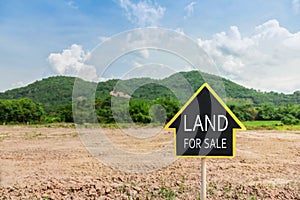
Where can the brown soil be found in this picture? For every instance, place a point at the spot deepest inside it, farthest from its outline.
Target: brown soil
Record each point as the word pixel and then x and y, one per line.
pixel 52 163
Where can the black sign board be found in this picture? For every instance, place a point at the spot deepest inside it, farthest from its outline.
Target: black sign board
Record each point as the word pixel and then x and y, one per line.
pixel 205 127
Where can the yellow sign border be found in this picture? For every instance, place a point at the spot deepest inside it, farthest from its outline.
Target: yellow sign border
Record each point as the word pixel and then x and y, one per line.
pixel 205 85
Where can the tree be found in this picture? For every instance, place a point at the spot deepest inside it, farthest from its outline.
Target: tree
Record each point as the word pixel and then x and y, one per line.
pixel 171 106
pixel 267 112
pixel 139 111
pixel 65 113
pixel 22 110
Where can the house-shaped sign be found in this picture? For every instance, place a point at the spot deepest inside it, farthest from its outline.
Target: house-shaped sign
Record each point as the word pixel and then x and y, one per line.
pixel 205 127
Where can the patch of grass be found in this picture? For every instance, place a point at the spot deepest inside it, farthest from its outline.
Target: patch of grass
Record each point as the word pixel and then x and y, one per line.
pixel 270 186
pixel 228 187
pixel 212 188
pixel 181 185
pixel 133 184
pixel 167 193
pixel 117 125
pixel 128 194
pixel 252 198
pixel 75 134
pixel 150 195
pixel 269 125
pixel 3 136
pixel 30 136
pixel 120 188
pixel 71 190
pixel 58 125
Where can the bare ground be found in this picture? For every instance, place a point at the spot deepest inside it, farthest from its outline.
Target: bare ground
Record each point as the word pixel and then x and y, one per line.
pixel 52 163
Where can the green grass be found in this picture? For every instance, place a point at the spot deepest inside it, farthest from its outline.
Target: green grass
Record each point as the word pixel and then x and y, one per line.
pixel 167 193
pixel 30 136
pixel 269 125
pixel 250 125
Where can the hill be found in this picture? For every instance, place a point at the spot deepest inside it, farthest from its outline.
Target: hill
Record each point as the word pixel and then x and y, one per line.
pixel 233 91
pixel 50 92
pixel 54 92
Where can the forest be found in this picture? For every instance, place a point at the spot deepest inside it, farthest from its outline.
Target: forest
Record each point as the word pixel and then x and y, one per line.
pixel 50 100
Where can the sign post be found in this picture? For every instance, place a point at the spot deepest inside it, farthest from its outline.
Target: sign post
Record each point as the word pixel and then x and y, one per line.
pixel 203 178
pixel 204 127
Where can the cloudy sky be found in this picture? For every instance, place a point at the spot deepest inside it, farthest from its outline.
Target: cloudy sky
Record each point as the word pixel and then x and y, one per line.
pixel 255 43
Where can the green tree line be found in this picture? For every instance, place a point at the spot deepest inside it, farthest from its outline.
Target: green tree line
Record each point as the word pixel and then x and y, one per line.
pixel 288 114
pixel 22 110
pixel 159 110
pixel 54 92
pixel 163 109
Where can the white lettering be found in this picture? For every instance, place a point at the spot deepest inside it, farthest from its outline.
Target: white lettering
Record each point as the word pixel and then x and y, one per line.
pixel 221 120
pixel 192 143
pixel 186 141
pixel 198 143
pixel 224 143
pixel 185 129
pixel 206 143
pixel 215 143
pixel 207 121
pixel 219 123
pixel 198 123
pixel 212 144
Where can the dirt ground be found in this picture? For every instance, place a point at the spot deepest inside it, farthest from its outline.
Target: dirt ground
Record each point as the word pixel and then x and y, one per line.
pixel 53 163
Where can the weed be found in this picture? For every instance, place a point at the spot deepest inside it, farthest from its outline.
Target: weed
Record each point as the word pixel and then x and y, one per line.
pixel 37 134
pixel 3 136
pixel 150 195
pixel 213 185
pixel 120 188
pixel 228 191
pixel 167 193
pixel 46 197
pixel 228 187
pixel 70 190
pixel 227 196
pixel 239 190
pixel 74 135
pixel 127 193
pixel 252 198
pixel 210 191
pixel 269 125
pixel 133 184
pixel 181 186
pixel 29 136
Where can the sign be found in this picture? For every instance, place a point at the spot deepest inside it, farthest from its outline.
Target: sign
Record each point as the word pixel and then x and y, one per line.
pixel 205 127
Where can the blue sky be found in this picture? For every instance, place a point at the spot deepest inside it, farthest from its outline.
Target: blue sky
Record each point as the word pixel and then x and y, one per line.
pixel 255 43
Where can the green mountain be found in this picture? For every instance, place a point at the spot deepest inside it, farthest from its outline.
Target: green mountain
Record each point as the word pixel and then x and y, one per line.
pixel 53 92
pixel 180 83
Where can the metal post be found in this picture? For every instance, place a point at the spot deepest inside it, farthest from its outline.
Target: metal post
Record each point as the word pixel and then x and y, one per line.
pixel 203 178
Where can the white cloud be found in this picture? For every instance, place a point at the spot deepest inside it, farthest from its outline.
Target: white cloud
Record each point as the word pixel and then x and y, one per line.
pixel 72 5
pixel 296 6
pixel 71 62
pixel 143 13
pixel 144 53
pixel 188 68
pixel 136 64
pixel 18 84
pixel 189 9
pixel 180 30
pixel 267 60
pixel 103 38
